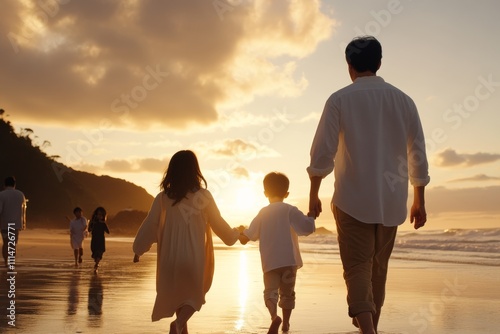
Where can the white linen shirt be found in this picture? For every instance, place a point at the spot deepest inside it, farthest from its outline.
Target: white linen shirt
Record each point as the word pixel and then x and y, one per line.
pixel 12 209
pixel 277 227
pixel 371 131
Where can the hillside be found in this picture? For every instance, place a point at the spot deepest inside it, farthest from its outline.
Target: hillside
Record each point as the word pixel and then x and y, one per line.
pixel 53 190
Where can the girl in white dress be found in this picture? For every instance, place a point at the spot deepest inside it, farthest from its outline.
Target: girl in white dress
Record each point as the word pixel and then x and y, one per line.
pixel 180 222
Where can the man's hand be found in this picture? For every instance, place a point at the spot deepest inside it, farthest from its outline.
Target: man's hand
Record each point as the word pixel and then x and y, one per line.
pixel 314 207
pixel 314 201
pixel 418 215
pixel 417 211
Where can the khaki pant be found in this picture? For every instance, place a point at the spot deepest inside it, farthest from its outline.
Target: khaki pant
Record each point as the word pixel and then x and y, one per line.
pixel 365 250
pixel 279 284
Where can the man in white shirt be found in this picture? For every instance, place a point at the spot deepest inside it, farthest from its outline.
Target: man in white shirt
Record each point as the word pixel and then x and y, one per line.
pixel 371 132
pixel 12 218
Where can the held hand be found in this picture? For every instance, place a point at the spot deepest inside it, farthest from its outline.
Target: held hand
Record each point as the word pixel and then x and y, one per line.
pixel 418 215
pixel 243 239
pixel 136 258
pixel 314 207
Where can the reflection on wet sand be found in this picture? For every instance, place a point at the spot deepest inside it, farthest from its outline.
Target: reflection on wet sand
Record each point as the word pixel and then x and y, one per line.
pixel 50 296
pixel 73 293
pixel 95 296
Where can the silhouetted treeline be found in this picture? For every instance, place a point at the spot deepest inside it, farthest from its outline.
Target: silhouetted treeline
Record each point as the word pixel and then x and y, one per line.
pixel 53 189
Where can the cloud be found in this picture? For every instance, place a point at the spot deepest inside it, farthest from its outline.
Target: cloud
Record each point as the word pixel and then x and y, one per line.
pixel 479 199
pixel 143 63
pixel 450 157
pixel 241 172
pixel 142 165
pixel 239 149
pixel 478 177
pixel 236 150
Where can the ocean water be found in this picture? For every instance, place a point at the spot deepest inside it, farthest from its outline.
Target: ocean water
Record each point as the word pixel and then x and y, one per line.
pixel 461 246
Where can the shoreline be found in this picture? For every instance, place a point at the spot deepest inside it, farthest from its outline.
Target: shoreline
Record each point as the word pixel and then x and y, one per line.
pixel 51 295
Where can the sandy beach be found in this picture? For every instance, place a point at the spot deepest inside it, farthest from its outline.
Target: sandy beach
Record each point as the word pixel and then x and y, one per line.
pixel 50 295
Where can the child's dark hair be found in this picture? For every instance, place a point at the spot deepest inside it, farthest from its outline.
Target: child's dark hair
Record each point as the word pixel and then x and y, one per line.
pixel 100 210
pixel 183 175
pixel 276 184
pixel 364 54
pixel 77 209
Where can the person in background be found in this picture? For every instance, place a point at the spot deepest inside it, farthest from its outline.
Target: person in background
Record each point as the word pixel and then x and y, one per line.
pixel 97 227
pixel 12 218
pixel 371 132
pixel 277 227
pixel 180 222
pixel 77 233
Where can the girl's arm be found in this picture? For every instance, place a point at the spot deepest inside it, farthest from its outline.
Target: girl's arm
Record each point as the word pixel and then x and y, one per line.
pixel 220 227
pixel 148 231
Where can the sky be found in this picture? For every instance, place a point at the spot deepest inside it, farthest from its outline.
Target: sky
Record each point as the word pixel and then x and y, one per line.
pixel 117 87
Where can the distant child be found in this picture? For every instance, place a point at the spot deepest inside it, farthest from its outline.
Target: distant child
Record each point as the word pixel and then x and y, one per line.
pixel 97 227
pixel 77 232
pixel 277 226
pixel 180 221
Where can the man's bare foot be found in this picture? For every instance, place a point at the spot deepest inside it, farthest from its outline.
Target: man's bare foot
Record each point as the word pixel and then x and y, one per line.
pixel 275 325
pixel 173 328
pixel 285 327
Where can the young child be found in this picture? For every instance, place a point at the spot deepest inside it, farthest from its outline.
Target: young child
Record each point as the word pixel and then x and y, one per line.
pixel 180 222
pixel 98 227
pixel 277 226
pixel 77 232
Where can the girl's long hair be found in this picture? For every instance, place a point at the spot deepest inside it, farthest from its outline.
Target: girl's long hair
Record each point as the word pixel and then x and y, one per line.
pixel 101 210
pixel 183 175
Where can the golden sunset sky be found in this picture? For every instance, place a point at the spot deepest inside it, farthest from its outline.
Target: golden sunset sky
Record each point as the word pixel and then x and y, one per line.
pixel 116 87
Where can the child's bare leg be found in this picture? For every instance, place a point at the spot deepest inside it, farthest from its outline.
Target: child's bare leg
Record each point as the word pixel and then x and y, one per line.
pixel 272 307
pixel 286 319
pixel 80 254
pixel 75 253
pixel 273 311
pixel 365 323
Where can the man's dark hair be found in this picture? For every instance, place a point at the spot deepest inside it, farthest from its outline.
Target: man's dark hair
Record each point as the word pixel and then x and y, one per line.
pixel 10 181
pixel 364 54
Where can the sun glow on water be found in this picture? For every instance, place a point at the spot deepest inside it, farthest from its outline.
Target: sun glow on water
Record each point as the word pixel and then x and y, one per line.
pixel 243 289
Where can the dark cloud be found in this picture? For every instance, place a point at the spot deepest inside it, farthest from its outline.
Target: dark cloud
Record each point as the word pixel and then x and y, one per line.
pixel 480 199
pixel 450 157
pixel 479 177
pixel 142 165
pixel 139 63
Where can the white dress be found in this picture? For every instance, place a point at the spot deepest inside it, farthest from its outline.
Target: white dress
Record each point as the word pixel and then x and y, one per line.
pixel 184 253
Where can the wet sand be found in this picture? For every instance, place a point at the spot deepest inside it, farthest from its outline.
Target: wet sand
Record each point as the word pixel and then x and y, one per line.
pixel 52 296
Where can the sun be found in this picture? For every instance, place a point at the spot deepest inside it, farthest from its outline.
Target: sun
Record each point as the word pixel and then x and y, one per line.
pixel 242 201
pixel 248 198
pixel 245 198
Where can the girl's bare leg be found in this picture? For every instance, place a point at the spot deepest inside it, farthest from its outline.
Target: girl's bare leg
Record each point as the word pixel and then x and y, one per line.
pixel 183 315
